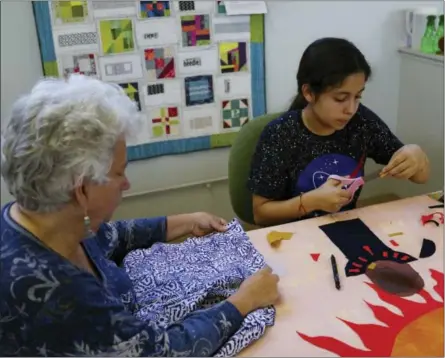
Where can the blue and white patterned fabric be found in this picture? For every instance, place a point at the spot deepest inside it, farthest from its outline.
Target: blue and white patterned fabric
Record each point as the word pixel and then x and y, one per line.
pixel 50 307
pixel 172 281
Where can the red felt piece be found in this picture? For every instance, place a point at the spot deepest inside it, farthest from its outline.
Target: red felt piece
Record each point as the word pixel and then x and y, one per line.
pixel 394 242
pixel 315 257
pixel 378 339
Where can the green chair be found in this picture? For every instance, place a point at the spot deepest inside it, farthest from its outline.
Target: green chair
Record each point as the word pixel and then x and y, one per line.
pixel 240 159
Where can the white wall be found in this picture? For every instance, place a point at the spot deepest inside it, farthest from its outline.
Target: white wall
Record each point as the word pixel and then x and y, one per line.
pixel 21 66
pixel 375 26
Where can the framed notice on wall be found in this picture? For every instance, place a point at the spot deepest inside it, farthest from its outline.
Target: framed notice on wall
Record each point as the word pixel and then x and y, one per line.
pixel 196 74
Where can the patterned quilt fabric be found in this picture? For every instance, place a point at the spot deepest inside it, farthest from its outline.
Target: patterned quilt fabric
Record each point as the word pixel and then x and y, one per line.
pixel 173 280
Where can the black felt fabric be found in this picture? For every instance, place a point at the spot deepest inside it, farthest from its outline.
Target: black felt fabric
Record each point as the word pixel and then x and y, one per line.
pixel 360 245
pixel 428 248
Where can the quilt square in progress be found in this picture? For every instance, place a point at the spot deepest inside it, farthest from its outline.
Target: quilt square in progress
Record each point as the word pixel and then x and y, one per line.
pixel 199 90
pixel 195 30
pixel 159 63
pixel 84 64
pixel 165 122
pixel 69 11
pixel 149 9
pixel 132 91
pixel 235 113
pixel 233 56
pixel 116 36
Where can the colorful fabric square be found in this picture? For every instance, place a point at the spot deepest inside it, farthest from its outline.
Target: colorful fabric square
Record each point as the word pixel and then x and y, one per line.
pixel 165 122
pixel 149 9
pixel 70 11
pixel 195 275
pixel 233 56
pixel 195 30
pixel 235 113
pixel 186 6
pixel 159 63
pixel 132 91
pixel 220 7
pixel 198 90
pixel 84 64
pixel 116 36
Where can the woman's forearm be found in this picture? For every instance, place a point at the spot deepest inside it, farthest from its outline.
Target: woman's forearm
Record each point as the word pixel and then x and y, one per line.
pixel 276 212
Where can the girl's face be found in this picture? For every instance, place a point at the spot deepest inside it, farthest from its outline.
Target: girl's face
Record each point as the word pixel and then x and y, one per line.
pixel 335 107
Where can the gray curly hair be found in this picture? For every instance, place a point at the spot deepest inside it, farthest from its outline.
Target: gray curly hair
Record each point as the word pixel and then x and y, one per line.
pixel 60 134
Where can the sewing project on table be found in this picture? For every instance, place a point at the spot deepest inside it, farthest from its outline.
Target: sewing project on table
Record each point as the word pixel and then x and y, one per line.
pixel 188 58
pixel 195 274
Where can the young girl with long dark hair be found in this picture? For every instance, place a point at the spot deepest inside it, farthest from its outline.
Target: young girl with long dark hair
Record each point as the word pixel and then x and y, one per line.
pixel 326 131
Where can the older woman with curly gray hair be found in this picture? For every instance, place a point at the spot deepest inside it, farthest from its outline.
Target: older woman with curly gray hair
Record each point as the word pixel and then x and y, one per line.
pixel 62 290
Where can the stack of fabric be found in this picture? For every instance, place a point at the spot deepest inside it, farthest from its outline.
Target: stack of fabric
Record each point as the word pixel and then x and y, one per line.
pixel 174 280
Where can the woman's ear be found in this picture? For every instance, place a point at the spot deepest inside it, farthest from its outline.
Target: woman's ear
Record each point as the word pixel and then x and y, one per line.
pixel 81 196
pixel 307 93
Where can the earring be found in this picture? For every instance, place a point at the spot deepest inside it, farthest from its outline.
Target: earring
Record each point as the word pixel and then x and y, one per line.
pixel 87 224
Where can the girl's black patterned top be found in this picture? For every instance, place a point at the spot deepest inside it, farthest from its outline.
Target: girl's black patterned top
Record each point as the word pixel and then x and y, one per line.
pixel 289 159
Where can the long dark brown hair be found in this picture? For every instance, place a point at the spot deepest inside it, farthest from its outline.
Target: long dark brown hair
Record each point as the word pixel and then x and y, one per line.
pixel 326 63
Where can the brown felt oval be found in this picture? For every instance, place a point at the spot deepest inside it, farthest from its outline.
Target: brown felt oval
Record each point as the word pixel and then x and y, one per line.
pixel 396 278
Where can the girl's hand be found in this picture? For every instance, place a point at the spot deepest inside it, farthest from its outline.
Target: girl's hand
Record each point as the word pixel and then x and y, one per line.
pixel 405 163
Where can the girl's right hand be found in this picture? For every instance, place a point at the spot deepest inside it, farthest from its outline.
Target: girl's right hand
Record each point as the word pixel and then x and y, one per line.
pixel 330 197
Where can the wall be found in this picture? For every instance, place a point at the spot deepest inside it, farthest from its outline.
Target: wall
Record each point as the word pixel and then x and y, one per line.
pixel 421 116
pixel 20 63
pixel 375 26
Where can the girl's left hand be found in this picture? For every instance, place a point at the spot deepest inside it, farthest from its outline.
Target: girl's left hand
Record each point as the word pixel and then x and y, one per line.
pixel 204 223
pixel 405 163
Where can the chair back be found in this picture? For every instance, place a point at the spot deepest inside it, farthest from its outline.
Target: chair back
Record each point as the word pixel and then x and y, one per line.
pixel 240 159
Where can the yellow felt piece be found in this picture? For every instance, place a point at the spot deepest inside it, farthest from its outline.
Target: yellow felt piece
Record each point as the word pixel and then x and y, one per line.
pixel 274 237
pixel 371 266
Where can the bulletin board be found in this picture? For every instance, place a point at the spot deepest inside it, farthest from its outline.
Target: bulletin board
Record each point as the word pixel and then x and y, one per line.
pixel 196 74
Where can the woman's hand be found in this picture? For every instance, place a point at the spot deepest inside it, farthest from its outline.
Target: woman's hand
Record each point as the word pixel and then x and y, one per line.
pixel 204 223
pixel 329 197
pixel 257 291
pixel 406 162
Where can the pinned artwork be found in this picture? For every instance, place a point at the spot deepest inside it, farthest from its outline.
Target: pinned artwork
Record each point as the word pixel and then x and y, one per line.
pixel 116 36
pixel 75 39
pixel 165 122
pixel 232 28
pixel 157 32
pixel 220 7
pixel 197 7
pixel 159 63
pixel 120 68
pixel 186 6
pixel 115 8
pixel 198 62
pixel 162 93
pixel 132 91
pixel 195 30
pixel 235 113
pixel 83 64
pixel 165 54
pixel 67 12
pixel 233 56
pixel 198 90
pixel 148 9
pixel 200 120
pixel 233 85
